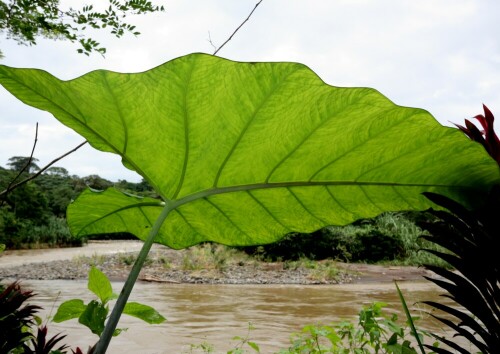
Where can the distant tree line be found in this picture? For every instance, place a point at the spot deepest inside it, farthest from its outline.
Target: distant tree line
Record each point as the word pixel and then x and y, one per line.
pixel 34 214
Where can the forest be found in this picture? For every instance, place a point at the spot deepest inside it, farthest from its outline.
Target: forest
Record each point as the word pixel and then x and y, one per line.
pixel 34 214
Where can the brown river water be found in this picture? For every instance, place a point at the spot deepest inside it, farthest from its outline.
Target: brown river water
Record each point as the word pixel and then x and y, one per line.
pixel 216 313
pixel 198 313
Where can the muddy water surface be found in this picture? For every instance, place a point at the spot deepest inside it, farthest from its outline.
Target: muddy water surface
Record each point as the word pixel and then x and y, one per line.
pixel 210 313
pixel 217 313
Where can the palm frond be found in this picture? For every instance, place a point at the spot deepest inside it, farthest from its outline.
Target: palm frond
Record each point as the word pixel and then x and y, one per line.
pixel 474 284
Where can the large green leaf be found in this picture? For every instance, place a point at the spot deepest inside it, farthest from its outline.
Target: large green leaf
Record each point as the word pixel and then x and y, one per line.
pixel 143 312
pixel 243 153
pixel 100 285
pixel 69 309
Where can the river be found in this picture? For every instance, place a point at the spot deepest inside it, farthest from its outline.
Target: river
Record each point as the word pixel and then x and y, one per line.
pixel 216 313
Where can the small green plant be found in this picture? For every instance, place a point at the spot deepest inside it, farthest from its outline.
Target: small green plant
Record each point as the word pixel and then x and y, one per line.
pixel 239 348
pixel 94 314
pixel 205 347
pixel 167 264
pixel 127 259
pixel 375 332
pixel 244 341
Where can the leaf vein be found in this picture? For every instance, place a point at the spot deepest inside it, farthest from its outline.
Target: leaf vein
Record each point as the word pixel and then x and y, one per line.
pixel 145 216
pixel 337 201
pixel 305 207
pixel 190 226
pixel 247 125
pixel 186 131
pixel 304 139
pixel 120 114
pixel 353 148
pixel 266 209
pixel 370 199
pixel 117 211
pixel 226 216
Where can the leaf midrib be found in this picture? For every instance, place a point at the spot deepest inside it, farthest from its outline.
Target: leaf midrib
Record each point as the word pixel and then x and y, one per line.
pixel 131 206
pixel 175 204
pixel 248 187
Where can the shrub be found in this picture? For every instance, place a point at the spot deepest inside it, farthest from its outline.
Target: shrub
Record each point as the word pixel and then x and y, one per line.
pixel 390 237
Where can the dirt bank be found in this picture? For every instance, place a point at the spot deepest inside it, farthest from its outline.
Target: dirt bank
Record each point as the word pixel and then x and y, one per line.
pixel 166 265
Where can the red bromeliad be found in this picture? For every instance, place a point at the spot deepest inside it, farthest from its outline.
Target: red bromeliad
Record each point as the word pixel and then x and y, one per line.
pixel 487 136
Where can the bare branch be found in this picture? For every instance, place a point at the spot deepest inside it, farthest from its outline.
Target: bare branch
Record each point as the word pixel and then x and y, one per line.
pixel 43 169
pixel 12 184
pixel 237 29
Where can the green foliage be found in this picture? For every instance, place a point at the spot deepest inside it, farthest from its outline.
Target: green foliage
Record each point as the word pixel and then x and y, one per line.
pixel 244 341
pixel 34 215
pixel 210 256
pixel 25 21
pixel 471 241
pixel 390 237
pixel 23 163
pixel 229 152
pixel 26 216
pixel 23 233
pixel 15 318
pixel 94 314
pixel 375 331
pixel 255 181
pixel 40 344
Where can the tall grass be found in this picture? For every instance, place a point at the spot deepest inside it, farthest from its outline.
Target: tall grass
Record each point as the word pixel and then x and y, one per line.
pixel 212 256
pixel 405 229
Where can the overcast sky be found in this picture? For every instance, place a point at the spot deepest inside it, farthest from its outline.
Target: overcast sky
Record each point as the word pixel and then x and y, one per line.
pixel 440 55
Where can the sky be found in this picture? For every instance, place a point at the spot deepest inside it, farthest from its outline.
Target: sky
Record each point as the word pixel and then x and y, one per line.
pixel 440 55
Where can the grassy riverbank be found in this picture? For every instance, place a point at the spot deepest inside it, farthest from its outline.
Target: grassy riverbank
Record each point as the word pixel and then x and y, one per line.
pixel 211 264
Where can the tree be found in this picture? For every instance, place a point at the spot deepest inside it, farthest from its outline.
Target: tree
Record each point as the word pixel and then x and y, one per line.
pixel 18 163
pixel 57 171
pixel 26 20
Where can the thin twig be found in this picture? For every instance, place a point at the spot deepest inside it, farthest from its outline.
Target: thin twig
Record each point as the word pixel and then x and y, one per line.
pixel 236 30
pixel 14 186
pixel 210 41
